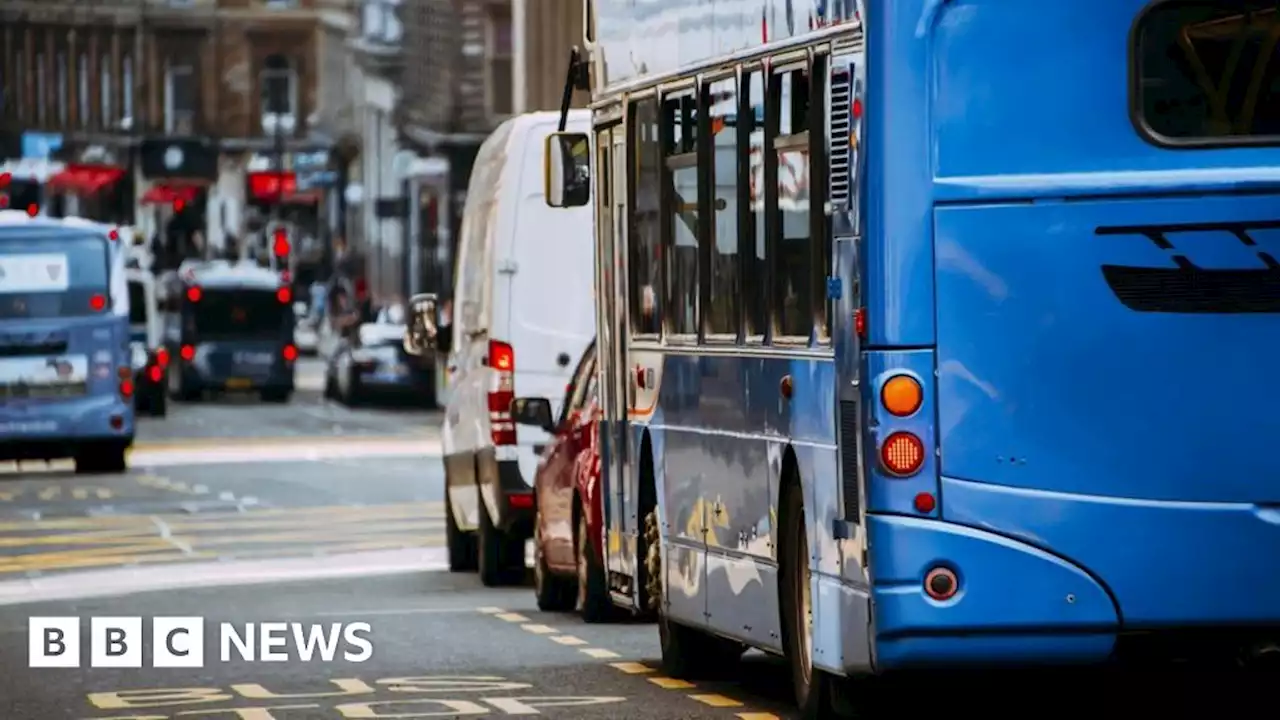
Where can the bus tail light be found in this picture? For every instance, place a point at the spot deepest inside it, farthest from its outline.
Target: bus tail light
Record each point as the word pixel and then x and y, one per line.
pixel 860 323
pixel 188 352
pixel 126 381
pixel 33 210
pixel 194 294
pixel 902 454
pixel 902 396
pixel 98 302
pixel 502 359
pixel 290 353
pixel 941 583
pixel 284 295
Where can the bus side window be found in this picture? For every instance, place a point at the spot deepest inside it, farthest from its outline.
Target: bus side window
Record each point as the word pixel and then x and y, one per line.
pixel 645 239
pixel 725 269
pixel 756 268
pixel 680 157
pixel 789 221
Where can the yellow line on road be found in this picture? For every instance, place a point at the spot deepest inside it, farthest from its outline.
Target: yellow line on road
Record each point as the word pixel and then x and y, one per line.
pixel 599 653
pixel 667 683
pixel 489 610
pixel 568 640
pixel 719 701
pixel 512 617
pixel 757 716
pixel 539 629
pixel 631 668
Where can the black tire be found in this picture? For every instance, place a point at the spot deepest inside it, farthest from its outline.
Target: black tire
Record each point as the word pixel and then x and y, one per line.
pixel 107 458
pixel 555 593
pixel 687 653
pixel 817 694
pixel 499 553
pixel 463 554
pixel 276 396
pixel 593 598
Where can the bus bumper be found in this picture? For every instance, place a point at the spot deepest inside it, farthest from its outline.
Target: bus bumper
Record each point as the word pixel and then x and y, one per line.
pixel 56 429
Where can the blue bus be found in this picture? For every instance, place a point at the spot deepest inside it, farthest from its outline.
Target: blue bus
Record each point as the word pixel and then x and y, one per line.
pixel 919 349
pixel 66 382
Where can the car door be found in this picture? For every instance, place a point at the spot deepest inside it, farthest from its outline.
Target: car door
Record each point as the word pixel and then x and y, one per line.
pixel 556 479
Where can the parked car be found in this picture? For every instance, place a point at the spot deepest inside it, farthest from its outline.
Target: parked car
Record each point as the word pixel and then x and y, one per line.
pixel 375 365
pixel 568 547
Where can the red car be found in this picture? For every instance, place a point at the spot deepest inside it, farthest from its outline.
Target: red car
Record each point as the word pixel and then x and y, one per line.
pixel 568 570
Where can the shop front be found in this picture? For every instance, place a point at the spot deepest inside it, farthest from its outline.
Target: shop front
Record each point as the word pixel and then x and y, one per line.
pixel 177 175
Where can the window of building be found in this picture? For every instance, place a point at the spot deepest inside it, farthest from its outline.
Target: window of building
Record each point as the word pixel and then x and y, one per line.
pixel 104 92
pixel 645 236
pixel 1205 70
pixel 126 89
pixel 279 83
pixel 82 91
pixel 725 270
pixel 793 251
pixel 757 266
pixel 680 157
pixel 498 62
pixel 179 98
pixel 61 70
pixel 20 90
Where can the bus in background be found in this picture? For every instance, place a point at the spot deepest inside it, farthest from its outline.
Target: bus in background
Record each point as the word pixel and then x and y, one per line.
pixel 962 390
pixel 66 386
pixel 229 327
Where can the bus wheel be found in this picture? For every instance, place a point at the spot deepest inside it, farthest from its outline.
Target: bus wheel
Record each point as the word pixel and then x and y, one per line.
pixel 555 593
pixel 818 695
pixel 687 653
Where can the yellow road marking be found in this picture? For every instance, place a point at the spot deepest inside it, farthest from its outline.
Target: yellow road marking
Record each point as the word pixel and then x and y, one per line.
pixel 568 640
pixel 489 610
pixel 667 683
pixel 599 653
pixel 719 701
pixel 539 629
pixel 631 668
pixel 512 617
pixel 82 493
pixel 757 716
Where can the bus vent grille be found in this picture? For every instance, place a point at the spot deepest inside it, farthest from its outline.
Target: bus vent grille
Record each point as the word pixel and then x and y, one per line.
pixel 841 126
pixel 849 459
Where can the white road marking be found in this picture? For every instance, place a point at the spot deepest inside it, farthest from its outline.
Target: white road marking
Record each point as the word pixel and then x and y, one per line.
pixel 157 456
pixel 166 534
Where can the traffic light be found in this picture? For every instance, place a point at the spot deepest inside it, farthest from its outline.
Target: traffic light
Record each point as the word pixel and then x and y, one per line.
pixel 280 243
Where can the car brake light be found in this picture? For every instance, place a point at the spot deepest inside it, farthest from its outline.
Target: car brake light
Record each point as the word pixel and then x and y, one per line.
pixel 155 373
pixel 902 454
pixel 290 353
pixel 97 303
pixel 502 360
pixel 33 210
pixel 284 295
pixel 193 294
pixel 188 352
pixel 162 357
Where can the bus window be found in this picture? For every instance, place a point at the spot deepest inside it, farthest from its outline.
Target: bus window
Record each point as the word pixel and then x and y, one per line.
pixel 793 281
pixel 1206 70
pixel 239 314
pixel 680 120
pixel 53 278
pixel 645 237
pixel 726 289
pixel 758 266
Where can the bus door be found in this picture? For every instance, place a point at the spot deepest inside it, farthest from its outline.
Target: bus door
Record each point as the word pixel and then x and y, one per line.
pixel 620 498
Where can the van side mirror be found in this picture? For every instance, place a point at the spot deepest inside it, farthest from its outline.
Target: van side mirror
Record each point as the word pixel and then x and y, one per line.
pixel 533 411
pixel 566 165
pixel 420 332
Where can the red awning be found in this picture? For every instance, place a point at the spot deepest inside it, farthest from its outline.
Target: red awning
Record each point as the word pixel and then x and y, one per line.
pixel 84 179
pixel 168 194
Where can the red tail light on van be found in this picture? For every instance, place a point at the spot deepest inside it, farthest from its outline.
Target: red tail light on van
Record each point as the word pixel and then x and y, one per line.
pixel 502 359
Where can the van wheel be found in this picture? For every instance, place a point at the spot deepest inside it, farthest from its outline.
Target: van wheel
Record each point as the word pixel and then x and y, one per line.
pixel 593 590
pixel 687 653
pixel 818 695
pixel 499 553
pixel 108 458
pixel 554 593
pixel 461 545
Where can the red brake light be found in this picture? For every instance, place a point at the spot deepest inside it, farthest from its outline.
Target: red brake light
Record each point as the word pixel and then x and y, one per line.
pixel 284 295
pixel 155 373
pixel 290 353
pixel 193 294
pixel 281 246
pixel 162 357
pixel 178 204
pixel 188 353
pixel 98 303
pixel 857 108
pixel 33 209
pixel 860 322
pixel 501 356
pixel 114 234
pixel 902 454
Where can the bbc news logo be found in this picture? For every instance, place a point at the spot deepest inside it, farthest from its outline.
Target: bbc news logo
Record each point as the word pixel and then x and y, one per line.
pixel 179 642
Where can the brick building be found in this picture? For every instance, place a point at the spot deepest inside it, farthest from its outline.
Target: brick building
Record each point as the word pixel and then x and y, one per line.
pixel 178 95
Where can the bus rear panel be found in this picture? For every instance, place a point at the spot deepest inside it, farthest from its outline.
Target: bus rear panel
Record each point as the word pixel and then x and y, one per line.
pixel 1102 253
pixel 65 385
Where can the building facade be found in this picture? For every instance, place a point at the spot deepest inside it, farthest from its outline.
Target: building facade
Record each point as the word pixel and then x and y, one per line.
pixel 183 97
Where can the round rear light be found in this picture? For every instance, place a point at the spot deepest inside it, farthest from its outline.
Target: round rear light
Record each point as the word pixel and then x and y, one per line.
pixel 902 454
pixel 284 295
pixel 290 353
pixel 941 584
pixel 188 353
pixel 97 303
pixel 155 373
pixel 193 294
pixel 902 395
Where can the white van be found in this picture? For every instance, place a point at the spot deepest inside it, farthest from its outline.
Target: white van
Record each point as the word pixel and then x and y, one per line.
pixel 523 313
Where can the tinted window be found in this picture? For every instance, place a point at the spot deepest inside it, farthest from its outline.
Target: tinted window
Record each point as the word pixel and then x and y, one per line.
pixel 1206 70
pixel 43 278
pixel 726 289
pixel 240 314
pixel 137 303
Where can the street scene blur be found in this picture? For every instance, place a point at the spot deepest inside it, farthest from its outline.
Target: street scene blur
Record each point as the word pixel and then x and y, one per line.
pixel 474 358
